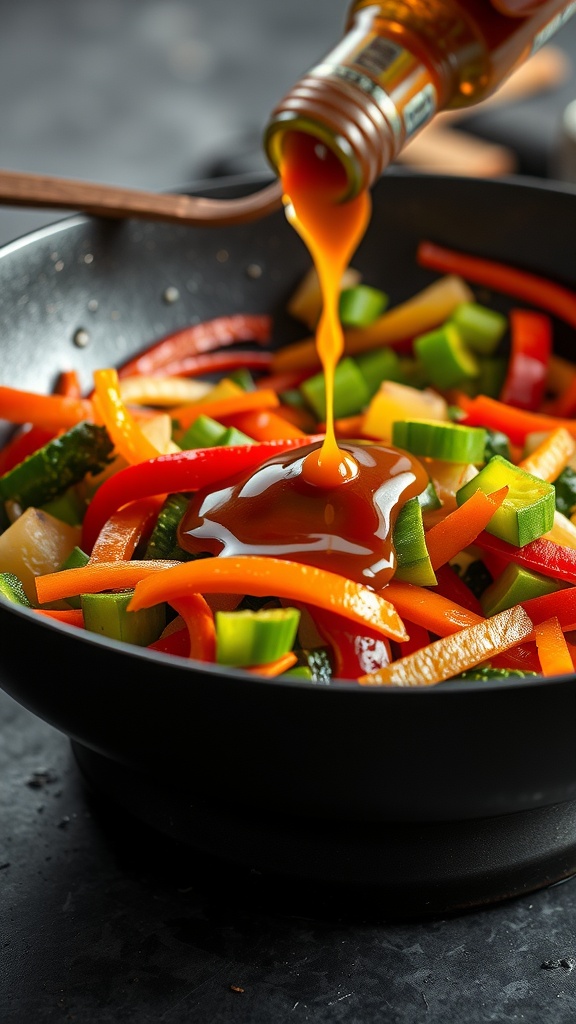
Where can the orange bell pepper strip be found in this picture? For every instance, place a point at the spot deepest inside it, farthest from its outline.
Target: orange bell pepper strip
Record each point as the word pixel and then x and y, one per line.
pixel 274 668
pixel 94 577
pixel 52 412
pixel 261 576
pixel 266 425
pixel 127 437
pixel 121 534
pixel 551 456
pixel 521 284
pixel 219 408
pixel 553 650
pixel 460 528
pixel 448 657
pixel 69 616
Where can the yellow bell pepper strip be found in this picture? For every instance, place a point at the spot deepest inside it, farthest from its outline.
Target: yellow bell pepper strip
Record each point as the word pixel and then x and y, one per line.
pixel 460 528
pixel 197 339
pixel 453 654
pixel 422 312
pixel 52 412
pixel 521 284
pixel 128 438
pixel 97 576
pixel 175 473
pixel 530 349
pixel 553 652
pixel 120 536
pixel 542 555
pixel 551 456
pixel 274 668
pixel 261 576
pixel 483 411
pixel 218 408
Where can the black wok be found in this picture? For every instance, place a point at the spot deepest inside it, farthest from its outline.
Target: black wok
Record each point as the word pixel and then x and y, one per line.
pixel 440 798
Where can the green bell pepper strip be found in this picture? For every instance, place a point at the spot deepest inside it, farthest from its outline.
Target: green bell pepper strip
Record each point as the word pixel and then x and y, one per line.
pixel 176 472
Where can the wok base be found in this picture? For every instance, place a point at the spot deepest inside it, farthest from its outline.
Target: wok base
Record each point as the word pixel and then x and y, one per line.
pixel 398 869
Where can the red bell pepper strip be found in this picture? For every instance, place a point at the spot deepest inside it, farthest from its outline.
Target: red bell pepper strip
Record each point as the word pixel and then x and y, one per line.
pixel 174 473
pixel 212 362
pixel 452 587
pixel 419 637
pixel 531 347
pixel 482 411
pixel 261 576
pixel 177 643
pixel 561 604
pixel 355 651
pixel 542 555
pixel 21 445
pixel 203 337
pixel 521 284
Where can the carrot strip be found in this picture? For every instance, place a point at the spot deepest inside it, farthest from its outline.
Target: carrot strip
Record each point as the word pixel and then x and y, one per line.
pixel 553 652
pixel 53 412
pixel 97 576
pixel 261 576
pixel 521 284
pixel 274 668
pixel 451 655
pixel 551 456
pixel 199 619
pixel 68 383
pixel 70 616
pixel 221 407
pixel 121 534
pixel 461 527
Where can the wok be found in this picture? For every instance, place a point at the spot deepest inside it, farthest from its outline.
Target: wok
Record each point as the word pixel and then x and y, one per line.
pixel 437 799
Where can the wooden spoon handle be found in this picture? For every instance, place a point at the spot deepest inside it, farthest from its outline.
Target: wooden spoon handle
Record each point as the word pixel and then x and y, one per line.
pixel 36 190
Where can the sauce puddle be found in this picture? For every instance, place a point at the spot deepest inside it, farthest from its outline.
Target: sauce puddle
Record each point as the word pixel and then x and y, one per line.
pixel 328 505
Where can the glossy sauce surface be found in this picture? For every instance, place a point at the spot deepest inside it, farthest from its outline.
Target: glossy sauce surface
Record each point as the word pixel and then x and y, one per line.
pixel 276 510
pixel 331 505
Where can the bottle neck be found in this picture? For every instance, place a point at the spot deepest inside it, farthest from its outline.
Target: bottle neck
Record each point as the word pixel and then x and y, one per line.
pixel 364 101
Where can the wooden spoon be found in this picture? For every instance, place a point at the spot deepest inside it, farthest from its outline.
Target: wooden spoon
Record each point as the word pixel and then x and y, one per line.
pixel 37 190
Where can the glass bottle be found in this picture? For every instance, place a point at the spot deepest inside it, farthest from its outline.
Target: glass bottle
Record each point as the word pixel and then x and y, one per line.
pixel 399 63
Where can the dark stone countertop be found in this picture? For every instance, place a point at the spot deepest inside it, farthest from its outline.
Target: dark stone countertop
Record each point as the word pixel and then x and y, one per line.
pixel 100 921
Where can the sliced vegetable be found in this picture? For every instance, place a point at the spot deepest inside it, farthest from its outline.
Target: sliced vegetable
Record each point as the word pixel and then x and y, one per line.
pixel 461 527
pixel 445 357
pixel 516 423
pixel 198 339
pixel 527 510
pixel 393 402
pixel 456 653
pixel 413 560
pixel 11 589
pixel 531 346
pixel 51 412
pixel 553 650
pixel 361 304
pixel 479 326
pixel 261 576
pixel 128 527
pixel 218 408
pixel 516 585
pixel 107 615
pixel 95 577
pixel 255 637
pixel 65 460
pixel 439 440
pixel 521 284
pixel 129 440
pixel 351 392
pixel 551 456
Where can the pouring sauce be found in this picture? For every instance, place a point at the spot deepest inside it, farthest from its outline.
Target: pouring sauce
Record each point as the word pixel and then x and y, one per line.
pixel 327 504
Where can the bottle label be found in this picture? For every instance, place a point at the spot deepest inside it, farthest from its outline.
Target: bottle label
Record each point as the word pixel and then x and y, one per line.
pixel 420 109
pixel 552 27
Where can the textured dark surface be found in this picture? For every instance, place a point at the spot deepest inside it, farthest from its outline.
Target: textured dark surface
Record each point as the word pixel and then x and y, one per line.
pixel 101 922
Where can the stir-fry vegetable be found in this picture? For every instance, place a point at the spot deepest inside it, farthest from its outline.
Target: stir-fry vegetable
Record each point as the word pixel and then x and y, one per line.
pixel 108 522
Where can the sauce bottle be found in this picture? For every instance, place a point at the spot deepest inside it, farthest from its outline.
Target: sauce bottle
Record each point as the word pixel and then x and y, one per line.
pixel 399 63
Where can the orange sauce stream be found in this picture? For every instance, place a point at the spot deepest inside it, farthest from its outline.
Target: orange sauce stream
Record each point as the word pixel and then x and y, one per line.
pixel 313 181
